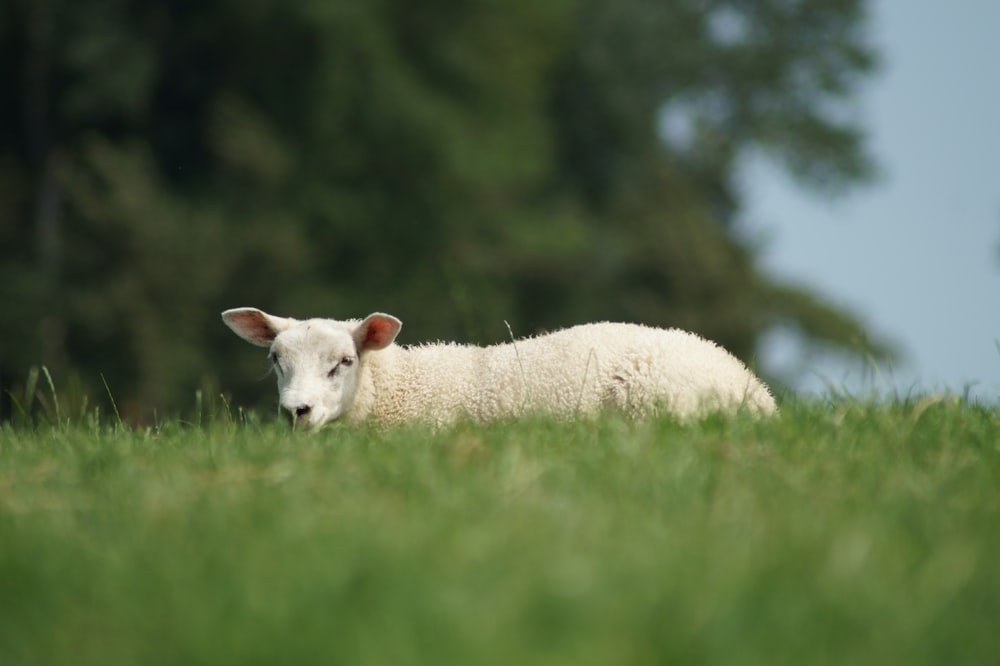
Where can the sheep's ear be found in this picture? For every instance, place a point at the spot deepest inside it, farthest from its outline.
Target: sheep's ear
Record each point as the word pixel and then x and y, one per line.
pixel 377 331
pixel 254 326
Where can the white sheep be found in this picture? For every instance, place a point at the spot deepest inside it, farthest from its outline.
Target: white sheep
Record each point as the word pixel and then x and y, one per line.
pixel 332 370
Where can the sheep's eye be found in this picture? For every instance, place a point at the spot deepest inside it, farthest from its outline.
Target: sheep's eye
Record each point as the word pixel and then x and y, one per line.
pixel 347 361
pixel 276 361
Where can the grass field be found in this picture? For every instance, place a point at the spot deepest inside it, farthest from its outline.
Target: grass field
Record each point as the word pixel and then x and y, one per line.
pixel 840 532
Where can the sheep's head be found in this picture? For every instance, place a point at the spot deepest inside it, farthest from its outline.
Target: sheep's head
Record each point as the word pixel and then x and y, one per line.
pixel 317 361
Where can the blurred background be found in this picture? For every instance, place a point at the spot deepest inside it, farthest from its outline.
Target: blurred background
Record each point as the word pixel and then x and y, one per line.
pixel 458 163
pixel 917 252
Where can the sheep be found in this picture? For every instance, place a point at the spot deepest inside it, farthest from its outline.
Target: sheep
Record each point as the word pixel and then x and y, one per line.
pixel 352 371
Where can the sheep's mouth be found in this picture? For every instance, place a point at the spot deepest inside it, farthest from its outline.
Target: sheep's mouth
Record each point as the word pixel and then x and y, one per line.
pixel 296 422
pixel 300 423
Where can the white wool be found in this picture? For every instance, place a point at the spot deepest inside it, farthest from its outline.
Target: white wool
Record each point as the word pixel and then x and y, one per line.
pixel 579 371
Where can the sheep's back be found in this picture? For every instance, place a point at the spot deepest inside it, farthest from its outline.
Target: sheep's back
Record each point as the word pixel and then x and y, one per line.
pixel 575 371
pixel 635 368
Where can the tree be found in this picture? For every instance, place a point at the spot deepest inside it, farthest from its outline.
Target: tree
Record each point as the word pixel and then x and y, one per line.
pixel 769 77
pixel 459 163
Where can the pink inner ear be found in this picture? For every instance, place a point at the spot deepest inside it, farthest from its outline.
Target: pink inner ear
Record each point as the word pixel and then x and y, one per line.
pixel 379 333
pixel 253 326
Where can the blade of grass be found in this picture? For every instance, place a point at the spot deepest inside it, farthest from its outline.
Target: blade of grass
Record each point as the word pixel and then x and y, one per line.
pixel 52 389
pixel 114 405
pixel 29 390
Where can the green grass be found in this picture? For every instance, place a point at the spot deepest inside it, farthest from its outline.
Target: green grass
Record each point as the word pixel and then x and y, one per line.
pixel 836 533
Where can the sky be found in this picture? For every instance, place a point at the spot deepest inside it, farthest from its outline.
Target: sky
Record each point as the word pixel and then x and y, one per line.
pixel 916 255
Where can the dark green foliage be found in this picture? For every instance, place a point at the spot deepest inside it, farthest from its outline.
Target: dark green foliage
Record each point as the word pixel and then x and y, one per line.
pixel 459 164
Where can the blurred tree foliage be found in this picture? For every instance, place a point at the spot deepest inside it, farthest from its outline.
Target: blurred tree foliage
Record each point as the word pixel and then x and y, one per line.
pixel 456 162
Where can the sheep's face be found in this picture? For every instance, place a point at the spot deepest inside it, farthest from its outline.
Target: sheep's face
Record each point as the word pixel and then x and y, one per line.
pixel 317 362
pixel 317 369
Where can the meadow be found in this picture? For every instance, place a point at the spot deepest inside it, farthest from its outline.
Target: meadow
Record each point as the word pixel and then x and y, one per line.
pixel 841 531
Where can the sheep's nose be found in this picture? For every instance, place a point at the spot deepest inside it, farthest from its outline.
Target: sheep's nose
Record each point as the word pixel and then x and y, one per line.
pixel 302 411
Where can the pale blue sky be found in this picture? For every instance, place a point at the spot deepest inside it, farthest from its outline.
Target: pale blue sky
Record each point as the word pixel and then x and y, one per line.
pixel 917 255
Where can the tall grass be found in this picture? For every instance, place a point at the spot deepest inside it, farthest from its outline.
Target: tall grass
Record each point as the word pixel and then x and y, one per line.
pixel 839 532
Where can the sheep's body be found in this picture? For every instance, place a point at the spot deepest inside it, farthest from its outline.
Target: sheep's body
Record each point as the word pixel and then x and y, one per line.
pixel 578 371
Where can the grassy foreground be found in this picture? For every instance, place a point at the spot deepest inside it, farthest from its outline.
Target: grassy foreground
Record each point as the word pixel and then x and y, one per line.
pixel 836 533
